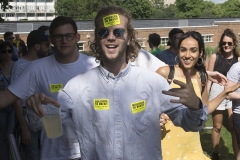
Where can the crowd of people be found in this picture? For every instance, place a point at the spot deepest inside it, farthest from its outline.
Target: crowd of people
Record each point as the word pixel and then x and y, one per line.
pixel 170 88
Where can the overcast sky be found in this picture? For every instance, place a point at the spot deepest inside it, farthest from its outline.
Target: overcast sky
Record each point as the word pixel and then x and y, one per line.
pixel 219 1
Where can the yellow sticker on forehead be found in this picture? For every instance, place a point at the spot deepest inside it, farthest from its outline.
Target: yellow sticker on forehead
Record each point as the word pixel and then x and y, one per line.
pixel 111 20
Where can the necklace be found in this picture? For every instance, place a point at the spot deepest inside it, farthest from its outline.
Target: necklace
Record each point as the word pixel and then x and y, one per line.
pixel 228 61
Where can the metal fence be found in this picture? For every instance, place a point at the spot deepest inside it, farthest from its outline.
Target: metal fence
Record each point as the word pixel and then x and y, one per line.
pixel 13 149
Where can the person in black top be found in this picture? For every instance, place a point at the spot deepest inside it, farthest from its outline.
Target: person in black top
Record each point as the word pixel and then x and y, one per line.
pixel 221 61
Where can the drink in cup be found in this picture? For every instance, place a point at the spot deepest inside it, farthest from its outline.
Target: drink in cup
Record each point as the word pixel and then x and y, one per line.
pixel 52 121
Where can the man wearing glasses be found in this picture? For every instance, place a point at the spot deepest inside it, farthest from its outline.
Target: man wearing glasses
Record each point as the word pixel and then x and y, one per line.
pixel 48 75
pixel 30 123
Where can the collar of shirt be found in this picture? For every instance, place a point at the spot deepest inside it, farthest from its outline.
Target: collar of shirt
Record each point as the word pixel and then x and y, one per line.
pixel 121 75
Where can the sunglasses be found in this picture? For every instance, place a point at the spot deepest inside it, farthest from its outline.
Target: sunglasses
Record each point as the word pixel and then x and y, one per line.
pixel 68 36
pixel 229 43
pixel 104 32
pixel 7 51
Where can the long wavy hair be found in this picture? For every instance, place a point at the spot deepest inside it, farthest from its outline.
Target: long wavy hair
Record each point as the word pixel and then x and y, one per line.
pixel 198 37
pixel 132 50
pixel 229 33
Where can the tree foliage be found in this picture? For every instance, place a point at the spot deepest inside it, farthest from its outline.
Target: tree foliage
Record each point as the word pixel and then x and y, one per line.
pixel 82 9
pixel 166 12
pixel 189 8
pixel 4 6
pixel 68 8
pixel 87 9
pixel 231 8
pixel 208 10
pixel 139 8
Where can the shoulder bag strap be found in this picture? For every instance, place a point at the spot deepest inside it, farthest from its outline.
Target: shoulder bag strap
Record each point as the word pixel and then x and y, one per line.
pixel 171 74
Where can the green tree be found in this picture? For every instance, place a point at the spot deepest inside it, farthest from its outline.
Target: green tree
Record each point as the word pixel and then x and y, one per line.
pixel 231 8
pixel 218 10
pixel 208 11
pixel 166 12
pixel 4 6
pixel 68 8
pixel 140 8
pixel 189 8
pixel 82 9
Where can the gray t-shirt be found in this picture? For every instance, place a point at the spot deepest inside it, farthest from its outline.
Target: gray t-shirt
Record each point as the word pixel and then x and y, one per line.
pixel 34 122
pixel 47 76
pixel 234 76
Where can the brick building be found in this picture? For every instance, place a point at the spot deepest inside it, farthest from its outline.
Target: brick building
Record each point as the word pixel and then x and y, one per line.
pixel 211 29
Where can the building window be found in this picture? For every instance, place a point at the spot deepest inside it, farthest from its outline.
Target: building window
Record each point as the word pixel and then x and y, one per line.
pixel 21 15
pixel 141 42
pixel 50 14
pixel 9 15
pixel 81 45
pixel 207 37
pixel 30 14
pixel 41 15
pixel 164 41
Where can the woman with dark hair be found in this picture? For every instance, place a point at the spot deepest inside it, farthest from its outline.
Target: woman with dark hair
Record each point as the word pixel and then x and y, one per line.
pixel 176 143
pixel 22 49
pixel 222 61
pixel 6 114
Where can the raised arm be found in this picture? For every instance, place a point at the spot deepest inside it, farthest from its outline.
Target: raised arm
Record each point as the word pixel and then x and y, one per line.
pixel 213 104
pixel 233 95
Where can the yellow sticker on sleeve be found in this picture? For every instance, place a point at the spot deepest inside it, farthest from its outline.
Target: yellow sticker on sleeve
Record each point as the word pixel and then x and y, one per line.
pixel 101 104
pixel 111 20
pixel 55 87
pixel 138 106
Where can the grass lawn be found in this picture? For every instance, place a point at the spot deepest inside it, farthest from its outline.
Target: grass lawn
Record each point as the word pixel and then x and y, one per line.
pixel 225 148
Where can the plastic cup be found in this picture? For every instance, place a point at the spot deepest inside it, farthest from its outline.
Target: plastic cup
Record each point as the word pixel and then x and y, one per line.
pixel 52 121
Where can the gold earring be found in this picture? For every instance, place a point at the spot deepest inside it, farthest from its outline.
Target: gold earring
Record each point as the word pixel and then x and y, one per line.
pixel 201 61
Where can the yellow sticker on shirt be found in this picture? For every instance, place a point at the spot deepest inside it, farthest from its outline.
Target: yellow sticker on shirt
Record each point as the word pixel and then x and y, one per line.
pixel 138 106
pixel 56 87
pixel 101 104
pixel 111 20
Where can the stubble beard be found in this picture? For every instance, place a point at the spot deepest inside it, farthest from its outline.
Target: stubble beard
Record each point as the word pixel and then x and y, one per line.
pixel 118 58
